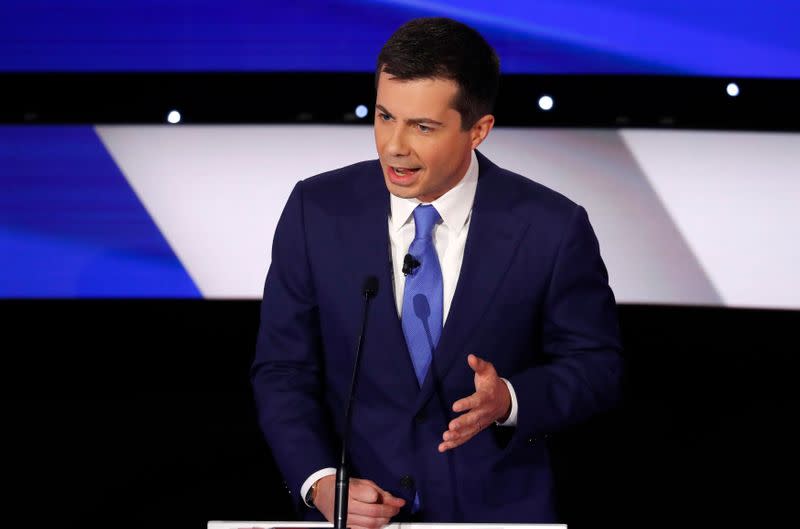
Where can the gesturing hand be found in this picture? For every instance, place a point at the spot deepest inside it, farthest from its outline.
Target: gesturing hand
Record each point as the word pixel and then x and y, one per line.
pixel 369 506
pixel 490 402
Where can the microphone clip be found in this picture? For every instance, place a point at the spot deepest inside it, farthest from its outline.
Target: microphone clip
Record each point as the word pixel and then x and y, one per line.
pixel 410 263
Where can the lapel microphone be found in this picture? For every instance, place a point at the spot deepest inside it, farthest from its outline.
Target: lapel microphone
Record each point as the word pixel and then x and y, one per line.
pixel 410 263
pixel 369 290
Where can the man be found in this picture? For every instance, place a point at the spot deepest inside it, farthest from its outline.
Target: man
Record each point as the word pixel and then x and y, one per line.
pixel 482 274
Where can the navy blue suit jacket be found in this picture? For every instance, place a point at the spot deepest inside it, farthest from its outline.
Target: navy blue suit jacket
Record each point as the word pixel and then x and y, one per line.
pixel 532 298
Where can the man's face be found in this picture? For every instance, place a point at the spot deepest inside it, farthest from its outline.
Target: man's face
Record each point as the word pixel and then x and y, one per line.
pixel 422 149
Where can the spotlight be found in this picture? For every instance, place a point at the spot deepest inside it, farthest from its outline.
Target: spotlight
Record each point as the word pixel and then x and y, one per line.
pixel 174 117
pixel 361 111
pixel 546 103
pixel 732 89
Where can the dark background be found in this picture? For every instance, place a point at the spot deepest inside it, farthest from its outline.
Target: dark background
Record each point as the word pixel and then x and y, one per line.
pixel 608 101
pixel 138 413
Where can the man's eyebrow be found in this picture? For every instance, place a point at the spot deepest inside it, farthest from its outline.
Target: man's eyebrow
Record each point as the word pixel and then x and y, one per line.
pixel 413 121
pixel 428 121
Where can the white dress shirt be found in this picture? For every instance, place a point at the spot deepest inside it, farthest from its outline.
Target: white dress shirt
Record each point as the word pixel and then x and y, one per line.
pixel 449 239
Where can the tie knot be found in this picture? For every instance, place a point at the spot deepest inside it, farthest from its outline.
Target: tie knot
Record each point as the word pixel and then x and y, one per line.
pixel 424 219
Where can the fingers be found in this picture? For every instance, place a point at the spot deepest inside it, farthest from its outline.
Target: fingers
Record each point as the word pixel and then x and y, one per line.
pixel 370 501
pixel 394 501
pixel 454 442
pixel 384 496
pixel 454 438
pixel 355 521
pixel 372 510
pixel 369 506
pixel 467 421
pixel 464 428
pixel 467 403
pixel 482 407
pixel 365 491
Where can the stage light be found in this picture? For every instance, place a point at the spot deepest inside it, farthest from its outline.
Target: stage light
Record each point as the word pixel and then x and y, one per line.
pixel 174 117
pixel 361 111
pixel 545 103
pixel 732 89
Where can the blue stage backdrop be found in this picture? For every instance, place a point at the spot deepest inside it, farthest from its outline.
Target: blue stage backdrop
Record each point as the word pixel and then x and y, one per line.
pixel 738 38
pixel 683 217
pixel 70 225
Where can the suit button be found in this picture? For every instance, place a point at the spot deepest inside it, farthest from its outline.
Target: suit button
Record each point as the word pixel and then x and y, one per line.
pixel 407 482
pixel 421 416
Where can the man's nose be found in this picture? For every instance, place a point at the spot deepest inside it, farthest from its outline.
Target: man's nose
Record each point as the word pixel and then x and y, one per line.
pixel 398 143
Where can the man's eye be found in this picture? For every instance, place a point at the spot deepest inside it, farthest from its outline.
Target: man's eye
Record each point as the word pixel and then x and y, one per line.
pixel 424 128
pixel 384 116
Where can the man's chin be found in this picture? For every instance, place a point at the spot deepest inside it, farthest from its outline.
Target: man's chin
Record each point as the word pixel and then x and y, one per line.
pixel 401 191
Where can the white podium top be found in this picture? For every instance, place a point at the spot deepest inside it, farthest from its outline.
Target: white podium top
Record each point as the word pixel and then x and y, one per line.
pixel 214 524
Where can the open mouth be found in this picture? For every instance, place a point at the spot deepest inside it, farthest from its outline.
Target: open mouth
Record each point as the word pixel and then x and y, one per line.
pixel 405 171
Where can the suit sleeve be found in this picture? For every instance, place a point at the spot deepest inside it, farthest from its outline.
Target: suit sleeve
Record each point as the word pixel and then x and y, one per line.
pixel 286 375
pixel 580 339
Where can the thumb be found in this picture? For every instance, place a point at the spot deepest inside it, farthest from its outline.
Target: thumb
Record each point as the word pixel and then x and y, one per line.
pixel 389 499
pixel 479 365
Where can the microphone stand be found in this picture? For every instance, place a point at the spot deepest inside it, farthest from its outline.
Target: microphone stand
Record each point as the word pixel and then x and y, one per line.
pixel 343 472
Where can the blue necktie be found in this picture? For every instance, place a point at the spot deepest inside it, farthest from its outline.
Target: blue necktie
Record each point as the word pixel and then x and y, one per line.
pixel 422 297
pixel 422 300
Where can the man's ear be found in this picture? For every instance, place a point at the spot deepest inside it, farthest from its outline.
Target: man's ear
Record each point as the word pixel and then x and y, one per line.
pixel 481 129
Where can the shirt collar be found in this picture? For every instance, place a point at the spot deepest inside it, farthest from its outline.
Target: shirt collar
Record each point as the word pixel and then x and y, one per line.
pixel 454 206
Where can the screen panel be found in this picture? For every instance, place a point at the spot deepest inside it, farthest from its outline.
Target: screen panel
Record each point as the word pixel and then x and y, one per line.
pixel 680 37
pixel 70 225
pixel 683 217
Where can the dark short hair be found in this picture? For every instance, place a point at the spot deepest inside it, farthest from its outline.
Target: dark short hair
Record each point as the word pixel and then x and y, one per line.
pixel 442 48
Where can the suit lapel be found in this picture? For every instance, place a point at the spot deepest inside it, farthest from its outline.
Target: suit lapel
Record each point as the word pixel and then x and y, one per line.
pixel 364 242
pixel 493 238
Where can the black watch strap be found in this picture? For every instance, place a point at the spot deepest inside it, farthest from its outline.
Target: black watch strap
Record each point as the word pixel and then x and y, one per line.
pixel 310 496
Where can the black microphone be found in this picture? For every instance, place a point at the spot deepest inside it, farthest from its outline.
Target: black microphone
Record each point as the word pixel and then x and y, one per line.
pixel 369 290
pixel 410 263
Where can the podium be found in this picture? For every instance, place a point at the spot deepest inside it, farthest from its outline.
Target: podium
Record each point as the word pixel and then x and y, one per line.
pixel 214 524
